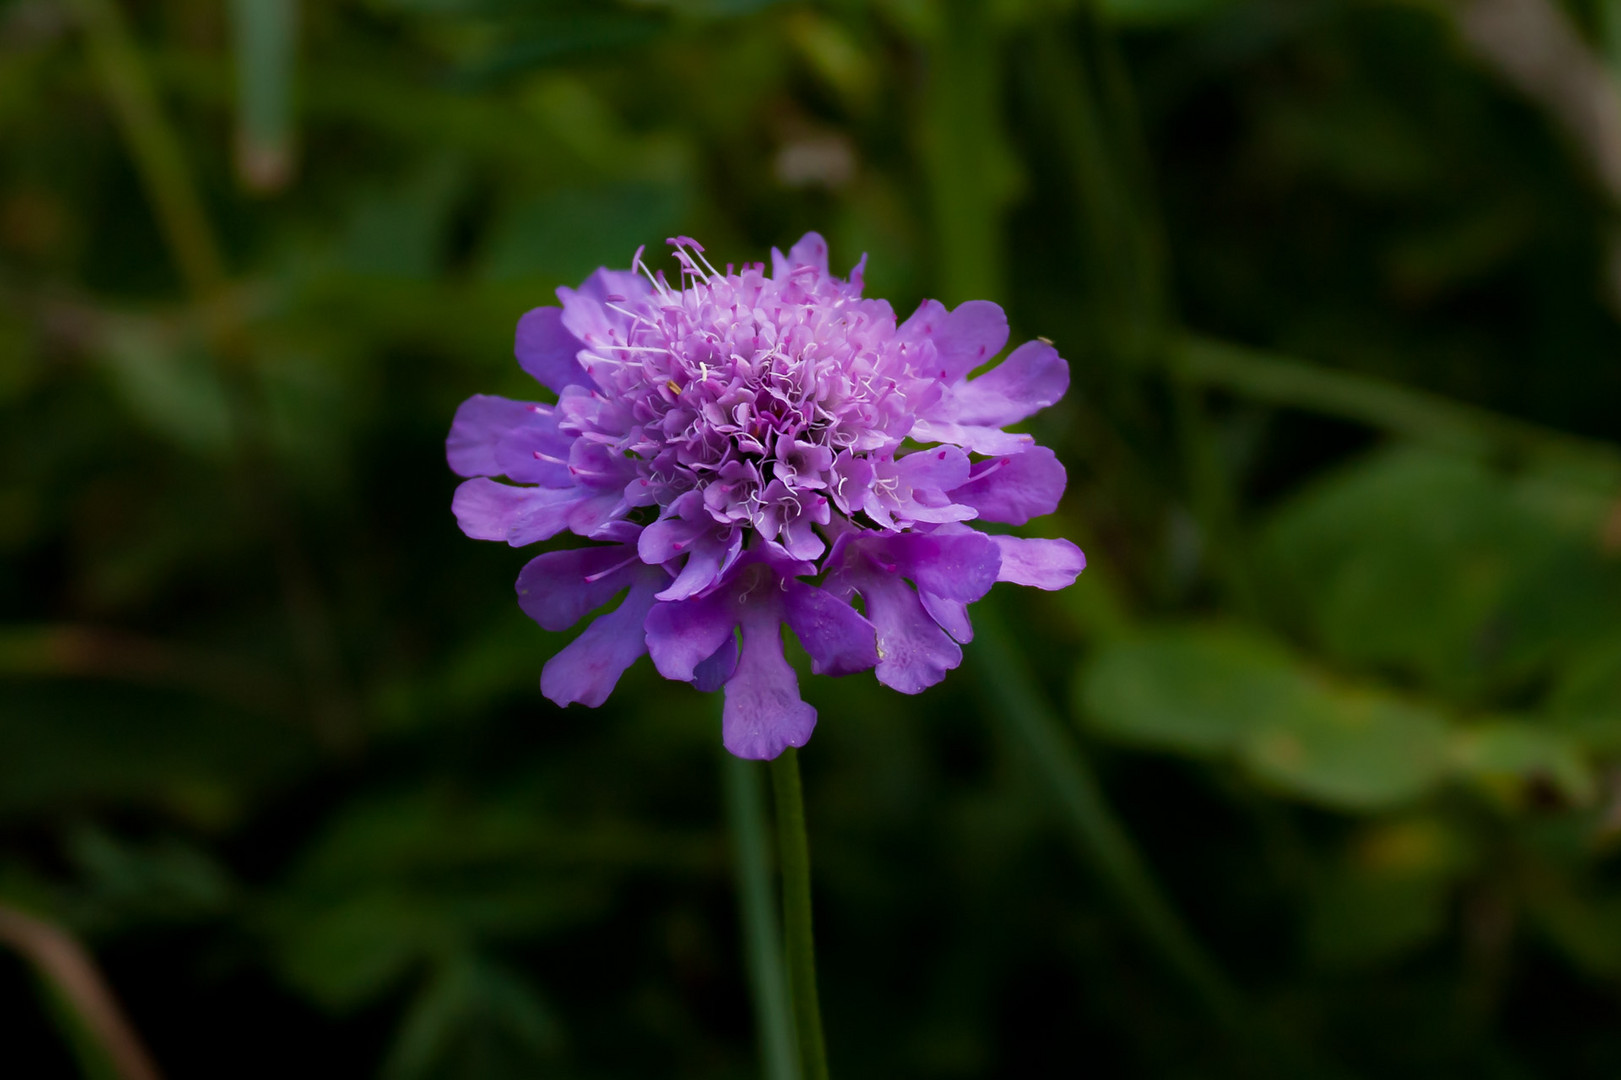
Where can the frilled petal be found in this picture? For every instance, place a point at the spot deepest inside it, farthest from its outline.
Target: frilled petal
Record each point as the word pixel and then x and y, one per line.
pixel 1016 488
pixel 839 640
pixel 978 440
pixel 589 668
pixel 683 634
pixel 1033 377
pixel 546 350
pixel 913 652
pixel 755 420
pixel 1043 564
pixel 487 510
pixel 482 421
pixel 560 588
pixel 764 714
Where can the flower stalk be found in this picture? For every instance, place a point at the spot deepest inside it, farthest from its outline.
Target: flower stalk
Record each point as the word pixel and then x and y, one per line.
pixel 762 940
pixel 793 853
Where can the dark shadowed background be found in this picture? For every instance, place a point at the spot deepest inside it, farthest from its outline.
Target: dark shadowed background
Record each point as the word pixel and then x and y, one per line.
pixel 1338 281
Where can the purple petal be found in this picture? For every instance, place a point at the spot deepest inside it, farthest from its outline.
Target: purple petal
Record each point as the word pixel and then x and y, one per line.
pixel 1033 377
pixel 963 338
pixel 941 468
pixel 589 668
pixel 487 510
pixel 925 477
pixel 683 634
pixel 585 314
pixel 799 539
pixel 536 452
pixel 926 324
pixel 1044 564
pixel 593 515
pixel 978 440
pixel 952 615
pixel 810 251
pixel 764 714
pixel 670 537
pixel 957 565
pixel 699 572
pixel 482 421
pixel 975 332
pixel 712 674
pixel 560 588
pixel 1016 488
pixel 546 350
pixel 913 652
pixel 711 557
pixel 838 639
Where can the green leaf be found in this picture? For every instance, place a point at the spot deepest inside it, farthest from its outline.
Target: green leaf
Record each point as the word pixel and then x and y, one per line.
pixel 1213 691
pixel 1434 566
pixel 125 884
pixel 474 1019
pixel 1194 690
pixel 1505 754
pixel 347 953
pixel 1356 749
pixel 169 386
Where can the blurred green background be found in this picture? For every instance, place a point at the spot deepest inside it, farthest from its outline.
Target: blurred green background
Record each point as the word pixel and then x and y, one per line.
pixel 1338 281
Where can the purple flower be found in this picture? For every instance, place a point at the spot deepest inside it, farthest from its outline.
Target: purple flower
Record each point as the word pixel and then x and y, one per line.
pixel 749 450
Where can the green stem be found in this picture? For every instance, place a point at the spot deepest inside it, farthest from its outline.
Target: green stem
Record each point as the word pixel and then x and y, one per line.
pixel 794 854
pixel 762 947
pixel 1400 410
pixel 1103 840
pixel 153 145
pixel 265 33
pixel 962 140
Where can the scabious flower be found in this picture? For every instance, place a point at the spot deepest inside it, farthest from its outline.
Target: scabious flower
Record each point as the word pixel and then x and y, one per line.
pixel 751 449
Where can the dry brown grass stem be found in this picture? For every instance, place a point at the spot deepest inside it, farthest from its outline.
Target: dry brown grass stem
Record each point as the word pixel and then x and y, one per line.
pixel 69 969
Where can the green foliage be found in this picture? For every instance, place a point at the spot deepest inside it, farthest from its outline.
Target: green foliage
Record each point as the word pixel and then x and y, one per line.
pixel 1386 894
pixel 1435 567
pixel 1336 294
pixel 1222 694
pixel 474 1020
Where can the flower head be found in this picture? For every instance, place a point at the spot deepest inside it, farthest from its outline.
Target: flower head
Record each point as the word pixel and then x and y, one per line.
pixel 752 449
